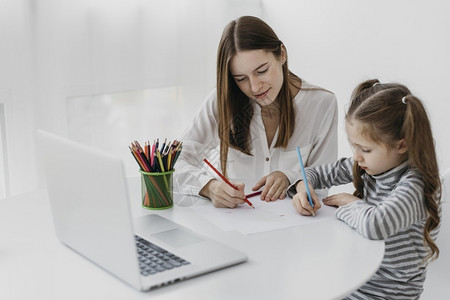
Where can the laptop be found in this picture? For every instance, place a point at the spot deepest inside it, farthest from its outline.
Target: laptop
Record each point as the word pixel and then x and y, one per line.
pixel 91 214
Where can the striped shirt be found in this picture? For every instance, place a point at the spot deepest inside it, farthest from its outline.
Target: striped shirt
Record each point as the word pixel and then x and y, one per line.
pixel 393 210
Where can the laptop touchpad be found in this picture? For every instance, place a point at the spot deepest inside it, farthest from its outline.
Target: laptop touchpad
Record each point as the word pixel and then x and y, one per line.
pixel 177 237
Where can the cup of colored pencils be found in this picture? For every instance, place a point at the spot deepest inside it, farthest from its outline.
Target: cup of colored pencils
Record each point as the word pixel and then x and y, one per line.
pixel 156 164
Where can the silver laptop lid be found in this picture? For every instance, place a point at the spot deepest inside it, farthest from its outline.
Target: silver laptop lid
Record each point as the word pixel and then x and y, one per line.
pixel 89 216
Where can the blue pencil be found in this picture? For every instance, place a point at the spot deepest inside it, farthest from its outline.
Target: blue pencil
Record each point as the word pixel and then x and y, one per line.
pixel 302 167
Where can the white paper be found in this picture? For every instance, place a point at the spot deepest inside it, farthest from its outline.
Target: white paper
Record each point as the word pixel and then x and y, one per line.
pixel 265 217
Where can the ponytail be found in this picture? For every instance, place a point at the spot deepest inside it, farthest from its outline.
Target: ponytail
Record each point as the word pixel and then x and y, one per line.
pixel 358 182
pixel 422 156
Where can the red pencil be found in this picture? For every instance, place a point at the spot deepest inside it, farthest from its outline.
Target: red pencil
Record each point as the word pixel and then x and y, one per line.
pixel 226 180
pixel 253 194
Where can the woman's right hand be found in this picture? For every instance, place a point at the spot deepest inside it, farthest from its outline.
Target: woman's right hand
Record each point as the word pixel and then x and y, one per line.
pixel 223 195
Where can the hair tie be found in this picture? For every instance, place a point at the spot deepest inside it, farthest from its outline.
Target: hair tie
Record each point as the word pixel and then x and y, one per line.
pixel 375 84
pixel 404 100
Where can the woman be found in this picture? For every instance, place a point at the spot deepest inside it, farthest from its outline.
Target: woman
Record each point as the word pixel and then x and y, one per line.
pixel 253 121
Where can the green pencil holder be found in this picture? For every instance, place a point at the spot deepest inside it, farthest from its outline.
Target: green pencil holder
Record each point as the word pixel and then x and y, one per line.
pixel 157 190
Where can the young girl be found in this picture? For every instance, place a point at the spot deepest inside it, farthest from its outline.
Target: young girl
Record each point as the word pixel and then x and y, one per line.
pixel 397 197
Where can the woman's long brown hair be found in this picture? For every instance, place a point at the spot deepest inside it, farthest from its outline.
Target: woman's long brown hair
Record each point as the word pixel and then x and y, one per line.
pixel 234 107
pixel 391 113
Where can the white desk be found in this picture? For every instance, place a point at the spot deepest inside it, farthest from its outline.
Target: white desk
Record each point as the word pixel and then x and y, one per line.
pixel 324 260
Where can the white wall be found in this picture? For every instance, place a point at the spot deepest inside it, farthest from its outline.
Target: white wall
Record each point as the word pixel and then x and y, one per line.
pixel 51 50
pixel 17 89
pixel 337 44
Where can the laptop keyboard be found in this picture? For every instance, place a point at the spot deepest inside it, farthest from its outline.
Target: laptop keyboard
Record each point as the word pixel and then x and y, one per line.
pixel 154 259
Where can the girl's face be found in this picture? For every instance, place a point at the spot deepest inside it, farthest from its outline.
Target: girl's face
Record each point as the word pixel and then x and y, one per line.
pixel 258 74
pixel 374 158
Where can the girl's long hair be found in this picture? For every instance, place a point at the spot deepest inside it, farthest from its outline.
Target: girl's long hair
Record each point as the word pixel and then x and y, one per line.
pixel 391 113
pixel 234 108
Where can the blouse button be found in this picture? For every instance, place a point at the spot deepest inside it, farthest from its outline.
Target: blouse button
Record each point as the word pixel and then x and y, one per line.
pixel 267 159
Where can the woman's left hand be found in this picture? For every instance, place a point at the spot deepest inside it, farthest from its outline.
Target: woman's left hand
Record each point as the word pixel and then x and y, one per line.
pixel 275 186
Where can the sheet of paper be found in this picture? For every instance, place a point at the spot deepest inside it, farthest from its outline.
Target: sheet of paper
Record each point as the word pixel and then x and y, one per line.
pixel 265 217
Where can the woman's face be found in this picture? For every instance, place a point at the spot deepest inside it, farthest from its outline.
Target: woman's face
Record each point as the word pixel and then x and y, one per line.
pixel 258 74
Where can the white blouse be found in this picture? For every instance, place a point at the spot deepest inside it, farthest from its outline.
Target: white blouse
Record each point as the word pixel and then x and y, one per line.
pixel 315 133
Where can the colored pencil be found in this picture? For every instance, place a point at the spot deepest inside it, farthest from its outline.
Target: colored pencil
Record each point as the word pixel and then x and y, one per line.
pixel 161 165
pixel 253 194
pixel 305 180
pixel 152 159
pixel 152 155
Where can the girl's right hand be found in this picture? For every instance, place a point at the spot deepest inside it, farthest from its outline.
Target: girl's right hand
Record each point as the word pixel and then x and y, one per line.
pixel 223 195
pixel 301 203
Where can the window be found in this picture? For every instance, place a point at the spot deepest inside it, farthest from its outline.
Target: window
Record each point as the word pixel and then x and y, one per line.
pixel 112 121
pixel 4 174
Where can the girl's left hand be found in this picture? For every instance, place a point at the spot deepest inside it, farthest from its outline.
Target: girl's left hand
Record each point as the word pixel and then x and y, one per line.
pixel 340 199
pixel 275 186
